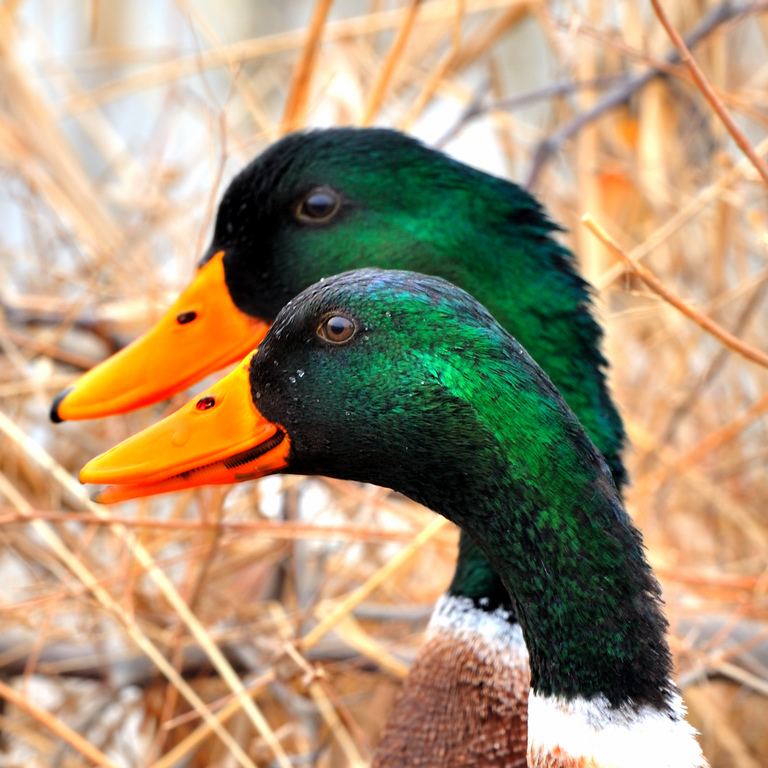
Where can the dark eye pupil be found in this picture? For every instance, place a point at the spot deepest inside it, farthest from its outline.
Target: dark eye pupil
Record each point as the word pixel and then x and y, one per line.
pixel 185 317
pixel 319 205
pixel 204 403
pixel 339 328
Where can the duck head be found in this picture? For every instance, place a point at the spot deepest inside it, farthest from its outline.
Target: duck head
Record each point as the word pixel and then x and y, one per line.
pixel 319 203
pixel 313 205
pixel 381 376
pixel 405 381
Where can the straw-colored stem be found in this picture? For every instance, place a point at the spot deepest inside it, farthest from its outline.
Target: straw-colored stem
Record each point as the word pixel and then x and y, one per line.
pixel 168 590
pixel 269 45
pixel 297 103
pixel 391 61
pixel 709 93
pixel 185 747
pixel 328 622
pixel 56 726
pixel 710 326
pixel 76 566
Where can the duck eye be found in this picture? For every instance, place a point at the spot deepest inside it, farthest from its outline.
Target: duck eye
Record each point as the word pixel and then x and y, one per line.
pixel 204 403
pixel 337 329
pixel 185 317
pixel 318 206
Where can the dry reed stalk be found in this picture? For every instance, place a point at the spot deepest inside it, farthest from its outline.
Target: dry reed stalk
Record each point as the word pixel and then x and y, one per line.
pixel 349 629
pixel 169 591
pixel 49 350
pixel 717 581
pixel 184 748
pixel 196 573
pixel 339 611
pixel 36 739
pixel 289 531
pixel 142 641
pixel 482 40
pixel 720 730
pixel 100 132
pixel 709 93
pixel 254 104
pixel 693 207
pixel 50 160
pixel 573 128
pixel 663 174
pixel 438 73
pixel 339 731
pixel 56 726
pixel 740 675
pixel 710 326
pixel 391 60
pixel 297 103
pixel 715 439
pixel 250 50
pixel 698 484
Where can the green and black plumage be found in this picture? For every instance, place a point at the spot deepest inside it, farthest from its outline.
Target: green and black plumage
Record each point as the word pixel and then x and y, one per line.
pixel 433 398
pixel 402 205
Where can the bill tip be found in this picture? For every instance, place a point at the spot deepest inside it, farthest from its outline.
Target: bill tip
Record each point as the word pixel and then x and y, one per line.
pixel 55 405
pixel 101 495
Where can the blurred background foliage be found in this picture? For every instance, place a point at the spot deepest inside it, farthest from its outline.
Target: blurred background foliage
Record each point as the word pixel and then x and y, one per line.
pixel 122 122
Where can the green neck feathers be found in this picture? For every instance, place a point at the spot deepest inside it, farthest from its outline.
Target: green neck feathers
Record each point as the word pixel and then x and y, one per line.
pixel 402 205
pixel 432 398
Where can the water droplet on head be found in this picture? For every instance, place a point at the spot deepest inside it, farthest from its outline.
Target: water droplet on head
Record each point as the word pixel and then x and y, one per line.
pixel 301 373
pixel 292 379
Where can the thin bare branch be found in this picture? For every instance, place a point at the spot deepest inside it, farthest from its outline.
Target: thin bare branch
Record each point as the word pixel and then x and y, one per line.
pixel 391 61
pixel 297 103
pixel 710 326
pixel 56 726
pixel 723 13
pixel 717 105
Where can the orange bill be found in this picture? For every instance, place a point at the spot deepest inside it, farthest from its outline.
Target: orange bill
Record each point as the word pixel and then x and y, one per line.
pixel 218 437
pixel 202 332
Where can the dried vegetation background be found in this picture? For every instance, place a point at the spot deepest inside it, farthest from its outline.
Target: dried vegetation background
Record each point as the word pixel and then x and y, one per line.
pixel 126 632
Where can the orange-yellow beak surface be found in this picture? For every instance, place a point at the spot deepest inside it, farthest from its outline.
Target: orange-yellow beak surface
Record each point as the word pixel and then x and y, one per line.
pixel 218 437
pixel 202 332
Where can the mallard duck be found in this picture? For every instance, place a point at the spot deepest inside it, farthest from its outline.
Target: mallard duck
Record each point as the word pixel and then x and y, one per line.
pixel 405 381
pixel 318 203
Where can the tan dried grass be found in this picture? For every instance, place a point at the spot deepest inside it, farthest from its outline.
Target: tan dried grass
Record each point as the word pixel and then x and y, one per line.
pixel 309 623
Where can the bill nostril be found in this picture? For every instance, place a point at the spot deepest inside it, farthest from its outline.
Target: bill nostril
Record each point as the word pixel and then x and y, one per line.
pixel 185 317
pixel 204 403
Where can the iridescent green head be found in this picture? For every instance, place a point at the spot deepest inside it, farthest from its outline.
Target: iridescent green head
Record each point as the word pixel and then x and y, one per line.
pixel 318 203
pixel 405 381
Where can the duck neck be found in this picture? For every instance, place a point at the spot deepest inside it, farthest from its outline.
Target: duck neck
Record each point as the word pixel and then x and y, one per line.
pixel 590 612
pixel 528 281
pixel 583 591
pixel 536 497
pixel 475 581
